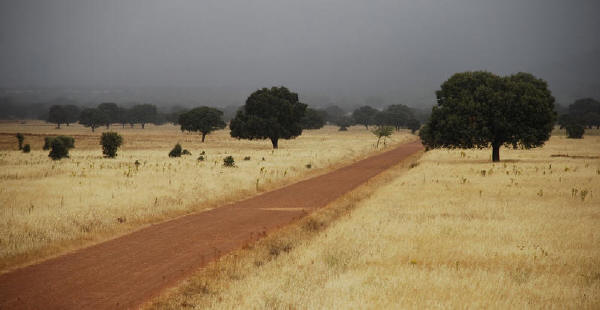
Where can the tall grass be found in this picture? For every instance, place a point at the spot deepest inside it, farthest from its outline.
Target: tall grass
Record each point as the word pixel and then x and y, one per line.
pixel 445 234
pixel 48 207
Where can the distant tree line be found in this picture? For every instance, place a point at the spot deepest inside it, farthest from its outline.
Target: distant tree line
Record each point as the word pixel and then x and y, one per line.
pixel 583 112
pixel 105 114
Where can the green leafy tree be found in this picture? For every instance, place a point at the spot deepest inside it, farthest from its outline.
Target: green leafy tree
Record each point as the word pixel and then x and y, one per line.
pixel 313 119
pixel 586 112
pixel 20 139
pixel 60 146
pixel 413 124
pixel 334 113
pixel 480 109
pixel 71 113
pixel 144 113
pixel 273 114
pixel 575 131
pixel 176 151
pixel 112 112
pixel 123 116
pixel 382 132
pixel 57 115
pixel 344 122
pixel 110 142
pixel 203 119
pixel 398 115
pixel 93 118
pixel 365 116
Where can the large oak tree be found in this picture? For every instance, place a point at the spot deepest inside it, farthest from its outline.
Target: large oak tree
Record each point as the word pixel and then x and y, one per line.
pixel 480 109
pixel 273 114
pixel 203 119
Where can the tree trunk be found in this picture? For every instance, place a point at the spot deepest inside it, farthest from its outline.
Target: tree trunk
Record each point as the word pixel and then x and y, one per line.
pixel 367 126
pixel 58 125
pixel 123 125
pixel 143 124
pixel 93 128
pixel 274 142
pixel 108 126
pixel 203 136
pixel 495 152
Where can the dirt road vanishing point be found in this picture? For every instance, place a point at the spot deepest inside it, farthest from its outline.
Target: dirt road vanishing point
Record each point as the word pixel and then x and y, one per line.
pixel 129 270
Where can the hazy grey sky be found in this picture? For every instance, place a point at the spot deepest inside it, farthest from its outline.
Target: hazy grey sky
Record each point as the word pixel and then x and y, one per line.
pixel 395 49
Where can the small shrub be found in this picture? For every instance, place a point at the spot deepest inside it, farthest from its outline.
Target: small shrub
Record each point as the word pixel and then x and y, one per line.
pixel 201 158
pixel 247 158
pixel 176 151
pixel 228 161
pixel 26 148
pixel 110 142
pixel 69 142
pixel 47 141
pixel 203 153
pixel 575 131
pixel 343 128
pixel 308 166
pixel 20 138
pixel 58 149
pixel 186 152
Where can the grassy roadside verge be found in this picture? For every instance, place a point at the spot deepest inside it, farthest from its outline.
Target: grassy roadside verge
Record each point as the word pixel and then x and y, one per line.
pixel 454 231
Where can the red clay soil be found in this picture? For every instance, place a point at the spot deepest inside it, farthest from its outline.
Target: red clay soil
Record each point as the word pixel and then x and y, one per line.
pixel 129 270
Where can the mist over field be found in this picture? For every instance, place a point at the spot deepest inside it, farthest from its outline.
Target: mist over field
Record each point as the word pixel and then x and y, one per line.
pixel 330 52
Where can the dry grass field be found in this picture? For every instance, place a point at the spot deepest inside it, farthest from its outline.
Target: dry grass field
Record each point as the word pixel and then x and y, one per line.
pixel 48 207
pixel 452 231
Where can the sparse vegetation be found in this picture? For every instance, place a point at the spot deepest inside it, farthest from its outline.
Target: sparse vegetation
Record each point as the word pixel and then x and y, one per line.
pixel 152 190
pixel 20 139
pixel 575 131
pixel 60 146
pixel 176 151
pixel 26 148
pixel 228 161
pixel 110 142
pixel 186 152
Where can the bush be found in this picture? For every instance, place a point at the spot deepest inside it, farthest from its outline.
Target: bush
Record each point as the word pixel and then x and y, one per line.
pixel 247 158
pixel 110 142
pixel 575 131
pixel 228 161
pixel 47 141
pixel 176 151
pixel 186 152
pixel 20 138
pixel 201 158
pixel 69 142
pixel 26 148
pixel 59 149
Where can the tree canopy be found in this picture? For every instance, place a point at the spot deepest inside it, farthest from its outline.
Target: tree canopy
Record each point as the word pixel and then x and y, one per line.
pixel 313 119
pixel 480 109
pixel 93 118
pixel 365 116
pixel 143 114
pixel 112 112
pixel 203 119
pixel 273 114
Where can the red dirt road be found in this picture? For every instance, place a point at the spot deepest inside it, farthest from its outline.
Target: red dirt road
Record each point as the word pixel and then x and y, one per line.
pixel 127 271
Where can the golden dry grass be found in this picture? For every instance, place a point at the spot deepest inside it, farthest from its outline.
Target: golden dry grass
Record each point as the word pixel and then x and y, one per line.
pixel 48 207
pixel 455 231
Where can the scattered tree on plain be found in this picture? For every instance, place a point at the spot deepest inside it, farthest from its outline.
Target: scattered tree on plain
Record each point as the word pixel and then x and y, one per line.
pixel 334 113
pixel 111 110
pixel 575 131
pixel 480 109
pixel 382 132
pixel 365 116
pixel 60 147
pixel 176 151
pixel 57 115
pixel 203 119
pixel 20 139
pixel 584 112
pixel 143 114
pixel 413 124
pixel 93 118
pixel 273 114
pixel 344 122
pixel 398 115
pixel 313 119
pixel 110 142
pixel 71 113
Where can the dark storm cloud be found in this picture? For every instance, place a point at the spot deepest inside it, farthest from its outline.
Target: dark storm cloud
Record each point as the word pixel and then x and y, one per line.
pixel 399 50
